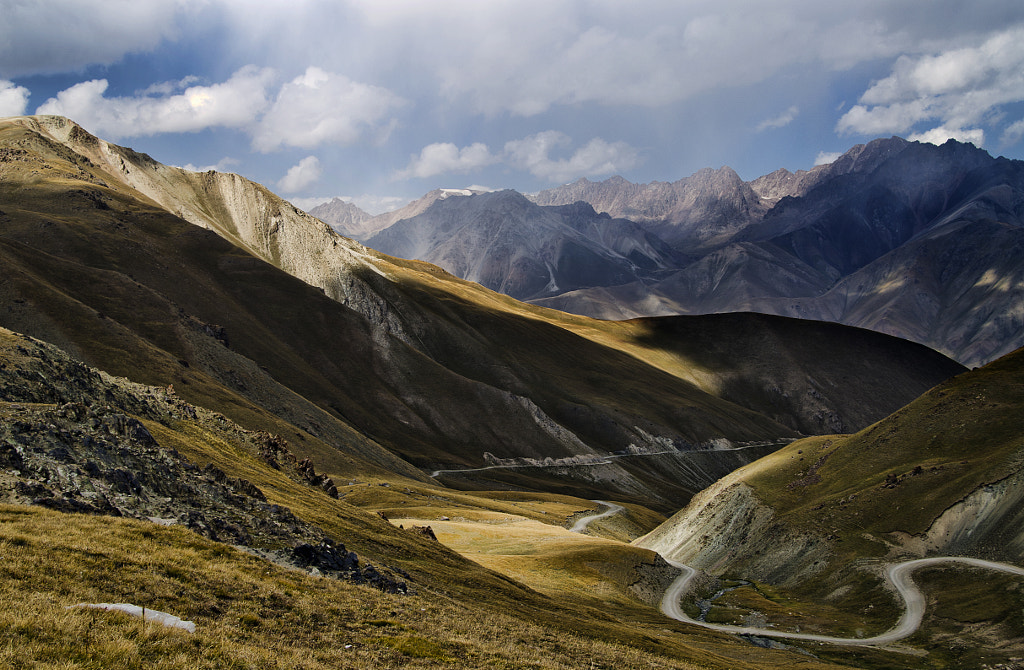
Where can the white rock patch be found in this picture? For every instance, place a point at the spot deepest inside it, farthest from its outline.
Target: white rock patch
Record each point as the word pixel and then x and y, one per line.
pixel 164 618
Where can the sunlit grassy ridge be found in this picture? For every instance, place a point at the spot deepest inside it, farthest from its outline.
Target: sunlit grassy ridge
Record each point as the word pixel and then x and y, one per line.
pixel 958 437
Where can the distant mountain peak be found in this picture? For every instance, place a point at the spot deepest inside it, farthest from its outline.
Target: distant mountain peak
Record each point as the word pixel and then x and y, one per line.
pixel 344 217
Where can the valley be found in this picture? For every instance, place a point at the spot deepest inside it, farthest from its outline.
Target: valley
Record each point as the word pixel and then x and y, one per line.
pixel 215 406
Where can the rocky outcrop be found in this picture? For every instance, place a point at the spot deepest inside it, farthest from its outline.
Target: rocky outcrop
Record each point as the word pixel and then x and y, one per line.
pixel 725 528
pixel 331 558
pixel 70 440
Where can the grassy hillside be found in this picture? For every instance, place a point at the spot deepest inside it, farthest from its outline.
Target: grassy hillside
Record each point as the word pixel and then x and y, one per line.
pixel 905 471
pixel 814 523
pixel 64 445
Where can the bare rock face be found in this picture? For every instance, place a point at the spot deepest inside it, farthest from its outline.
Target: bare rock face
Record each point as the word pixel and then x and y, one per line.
pixel 506 243
pixel 246 214
pixel 698 211
pixel 725 528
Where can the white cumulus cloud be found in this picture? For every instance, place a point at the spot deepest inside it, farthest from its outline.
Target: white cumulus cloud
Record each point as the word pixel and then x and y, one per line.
pixel 596 157
pixel 321 107
pixel 961 89
pixel 445 157
pixel 311 110
pixel 233 103
pixel 13 99
pixel 301 176
pixel 975 136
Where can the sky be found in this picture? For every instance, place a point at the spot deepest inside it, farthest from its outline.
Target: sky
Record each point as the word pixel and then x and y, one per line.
pixel 379 101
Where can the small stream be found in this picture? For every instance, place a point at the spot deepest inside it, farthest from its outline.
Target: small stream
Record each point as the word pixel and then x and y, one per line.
pixel 706 604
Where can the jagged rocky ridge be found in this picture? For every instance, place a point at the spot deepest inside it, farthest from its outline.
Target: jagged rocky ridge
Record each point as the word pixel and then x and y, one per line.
pixel 914 240
pixel 507 243
pixel 70 441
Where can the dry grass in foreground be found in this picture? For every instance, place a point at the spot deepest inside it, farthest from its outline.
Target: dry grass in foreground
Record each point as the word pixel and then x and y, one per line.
pixel 248 613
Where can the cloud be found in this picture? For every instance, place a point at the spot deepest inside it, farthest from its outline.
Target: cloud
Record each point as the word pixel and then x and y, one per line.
pixel 597 157
pixel 526 57
pixel 961 88
pixel 1013 133
pixel 233 103
pixel 313 109
pixel 975 136
pixel 301 176
pixel 445 157
pixel 67 35
pixel 780 121
pixel 531 154
pixel 221 166
pixel 321 107
pixel 13 99
pixel 825 157
pixel 169 87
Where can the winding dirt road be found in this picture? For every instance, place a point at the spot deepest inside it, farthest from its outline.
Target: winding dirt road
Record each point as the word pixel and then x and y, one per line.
pixel 898 575
pixel 581 523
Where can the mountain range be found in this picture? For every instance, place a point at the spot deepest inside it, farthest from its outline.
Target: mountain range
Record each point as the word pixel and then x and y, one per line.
pixel 915 240
pixel 393 363
pixel 277 414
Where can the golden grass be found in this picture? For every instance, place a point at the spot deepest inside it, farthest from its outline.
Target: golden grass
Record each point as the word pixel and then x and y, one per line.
pixel 249 614
pixel 546 558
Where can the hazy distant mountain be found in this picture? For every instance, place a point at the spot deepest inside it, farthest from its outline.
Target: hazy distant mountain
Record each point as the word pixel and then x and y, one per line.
pixel 698 212
pixel 507 243
pixel 344 217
